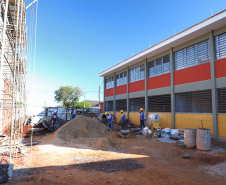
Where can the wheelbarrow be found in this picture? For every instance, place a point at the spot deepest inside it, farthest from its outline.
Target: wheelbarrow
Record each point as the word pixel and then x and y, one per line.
pixel 135 130
pixel 131 124
pixel 123 133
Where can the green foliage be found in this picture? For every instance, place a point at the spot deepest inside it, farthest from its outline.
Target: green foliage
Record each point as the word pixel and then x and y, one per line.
pixel 81 104
pixel 68 96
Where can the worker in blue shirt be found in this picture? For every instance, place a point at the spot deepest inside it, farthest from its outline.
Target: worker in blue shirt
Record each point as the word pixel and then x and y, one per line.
pixel 73 115
pixel 110 120
pixel 54 120
pixel 123 120
pixel 142 118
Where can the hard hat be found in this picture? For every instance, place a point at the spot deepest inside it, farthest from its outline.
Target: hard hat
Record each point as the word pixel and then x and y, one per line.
pixel 106 113
pixel 121 111
pixel 69 112
pixel 141 109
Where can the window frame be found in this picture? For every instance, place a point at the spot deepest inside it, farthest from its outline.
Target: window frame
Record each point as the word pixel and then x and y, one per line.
pixel 121 105
pixel 121 79
pixel 109 82
pixel 194 102
pixel 158 67
pixel 193 55
pixel 137 73
pixel 108 105
pixel 220 46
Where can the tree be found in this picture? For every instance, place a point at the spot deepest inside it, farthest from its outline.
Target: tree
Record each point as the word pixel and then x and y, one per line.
pixel 68 96
pixel 81 104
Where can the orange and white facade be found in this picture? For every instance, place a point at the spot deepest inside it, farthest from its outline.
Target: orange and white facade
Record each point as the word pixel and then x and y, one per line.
pixel 183 79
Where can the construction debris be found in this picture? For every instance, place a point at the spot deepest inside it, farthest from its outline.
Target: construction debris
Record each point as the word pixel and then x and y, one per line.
pixel 186 156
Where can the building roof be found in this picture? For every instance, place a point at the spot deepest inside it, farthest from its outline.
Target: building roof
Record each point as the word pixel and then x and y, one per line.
pixel 94 103
pixel 204 27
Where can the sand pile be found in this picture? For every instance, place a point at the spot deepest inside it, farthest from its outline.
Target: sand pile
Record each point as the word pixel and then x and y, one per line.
pixel 86 131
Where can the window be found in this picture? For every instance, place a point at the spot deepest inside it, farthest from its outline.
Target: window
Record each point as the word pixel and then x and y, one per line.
pixel 109 83
pixel 125 77
pixel 159 66
pixel 192 55
pixel 220 43
pixel 121 78
pixel 137 73
pixel 221 100
pixel 121 105
pixel 136 104
pixel 159 103
pixel 198 102
pixel 108 105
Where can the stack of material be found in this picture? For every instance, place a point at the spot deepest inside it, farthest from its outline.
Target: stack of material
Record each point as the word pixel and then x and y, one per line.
pixel 181 133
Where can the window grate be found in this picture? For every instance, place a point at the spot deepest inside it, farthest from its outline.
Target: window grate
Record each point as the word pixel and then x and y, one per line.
pixel 159 66
pixel 220 43
pixel 121 105
pixel 221 100
pixel 108 105
pixel 159 103
pixel 121 78
pixel 137 73
pixel 136 104
pixel 198 102
pixel 192 55
pixel 109 82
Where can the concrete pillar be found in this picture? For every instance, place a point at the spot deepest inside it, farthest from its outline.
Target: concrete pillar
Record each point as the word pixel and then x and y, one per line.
pixel 128 93
pixel 146 88
pixel 114 102
pixel 213 85
pixel 104 95
pixel 172 88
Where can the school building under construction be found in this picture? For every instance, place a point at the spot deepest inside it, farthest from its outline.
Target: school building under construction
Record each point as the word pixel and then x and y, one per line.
pixel 183 79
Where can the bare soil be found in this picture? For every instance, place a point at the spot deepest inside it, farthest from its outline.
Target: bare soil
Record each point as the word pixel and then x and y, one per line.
pixel 134 160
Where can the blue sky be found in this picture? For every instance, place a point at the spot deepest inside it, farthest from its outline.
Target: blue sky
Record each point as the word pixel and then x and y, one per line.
pixel 77 39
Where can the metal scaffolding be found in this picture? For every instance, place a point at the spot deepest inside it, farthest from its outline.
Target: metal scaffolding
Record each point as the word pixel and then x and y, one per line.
pixel 13 48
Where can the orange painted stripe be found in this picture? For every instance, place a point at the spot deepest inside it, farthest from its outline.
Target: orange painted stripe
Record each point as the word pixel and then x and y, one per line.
pixel 192 74
pixel 220 68
pixel 159 81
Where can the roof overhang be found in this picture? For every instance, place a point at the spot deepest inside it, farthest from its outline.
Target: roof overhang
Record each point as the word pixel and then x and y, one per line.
pixel 204 27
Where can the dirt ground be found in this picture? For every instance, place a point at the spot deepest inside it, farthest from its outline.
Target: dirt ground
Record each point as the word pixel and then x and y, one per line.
pixel 135 160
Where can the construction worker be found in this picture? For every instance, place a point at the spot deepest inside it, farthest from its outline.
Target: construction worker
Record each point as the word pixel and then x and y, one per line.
pixel 110 120
pixel 141 118
pixel 123 120
pixel 73 115
pixel 54 120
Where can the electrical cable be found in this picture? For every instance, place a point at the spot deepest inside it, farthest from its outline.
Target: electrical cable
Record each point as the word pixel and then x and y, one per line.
pixel 36 23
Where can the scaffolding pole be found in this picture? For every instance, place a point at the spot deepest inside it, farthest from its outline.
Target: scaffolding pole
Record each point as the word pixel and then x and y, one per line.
pixel 13 42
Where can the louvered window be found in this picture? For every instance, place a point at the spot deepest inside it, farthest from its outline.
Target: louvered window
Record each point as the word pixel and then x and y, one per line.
pixel 159 103
pixel 109 82
pixel 192 55
pixel 121 78
pixel 136 104
pixel 121 105
pixel 221 100
pixel 220 43
pixel 159 66
pixel 197 102
pixel 137 73
pixel 108 105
